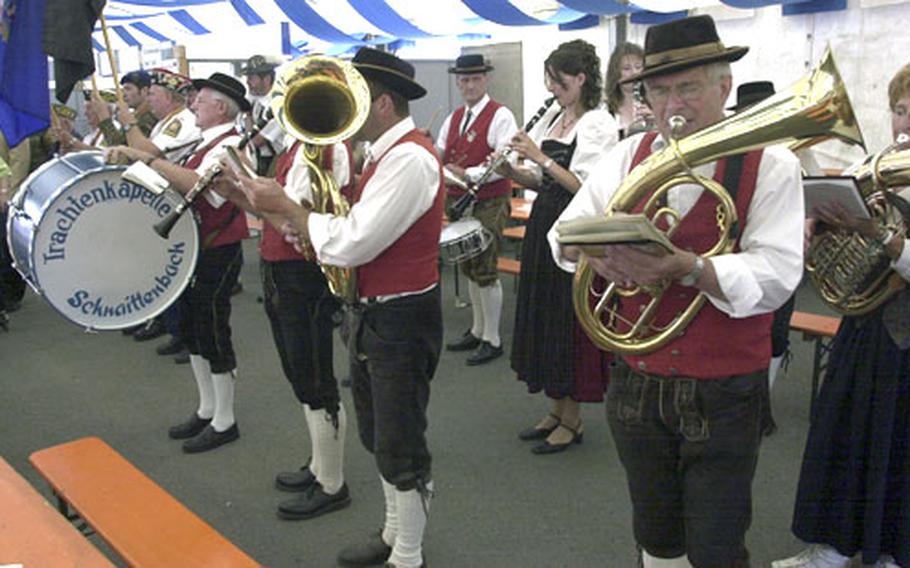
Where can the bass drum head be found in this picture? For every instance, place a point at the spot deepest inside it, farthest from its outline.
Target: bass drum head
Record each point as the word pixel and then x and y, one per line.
pixel 96 258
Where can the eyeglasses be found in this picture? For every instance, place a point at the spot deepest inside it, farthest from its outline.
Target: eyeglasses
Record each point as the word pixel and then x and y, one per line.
pixel 686 92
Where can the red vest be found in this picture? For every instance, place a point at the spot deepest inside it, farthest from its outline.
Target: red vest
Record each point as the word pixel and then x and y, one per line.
pixel 412 262
pixel 472 149
pixel 272 246
pixel 227 224
pixel 714 345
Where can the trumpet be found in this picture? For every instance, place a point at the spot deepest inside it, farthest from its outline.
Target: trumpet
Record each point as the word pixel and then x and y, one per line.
pixel 468 199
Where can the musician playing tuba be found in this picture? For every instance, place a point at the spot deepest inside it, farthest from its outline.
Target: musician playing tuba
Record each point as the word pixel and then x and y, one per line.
pixel 687 418
pixel 854 475
pixel 467 137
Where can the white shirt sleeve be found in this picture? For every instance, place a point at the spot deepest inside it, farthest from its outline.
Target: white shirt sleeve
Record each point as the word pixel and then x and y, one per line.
pixel 211 158
pixel 401 190
pixel 596 132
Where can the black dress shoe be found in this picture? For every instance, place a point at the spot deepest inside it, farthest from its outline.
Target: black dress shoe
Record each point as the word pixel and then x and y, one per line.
pixel 209 439
pixel 189 428
pixel 466 342
pixel 373 552
pixel 484 354
pixel 172 347
pixel 131 330
pixel 152 330
pixel 534 433
pixel 548 448
pixel 295 481
pixel 182 358
pixel 313 503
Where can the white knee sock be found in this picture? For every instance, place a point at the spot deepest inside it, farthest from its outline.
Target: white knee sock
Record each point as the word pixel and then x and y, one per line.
pixel 328 448
pixel 390 529
pixel 773 370
pixel 224 401
pixel 412 520
pixel 476 309
pixel 202 371
pixel 654 562
pixel 315 457
pixel 491 300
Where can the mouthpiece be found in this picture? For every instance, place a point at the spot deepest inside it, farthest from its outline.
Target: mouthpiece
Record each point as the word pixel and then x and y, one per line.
pixel 677 123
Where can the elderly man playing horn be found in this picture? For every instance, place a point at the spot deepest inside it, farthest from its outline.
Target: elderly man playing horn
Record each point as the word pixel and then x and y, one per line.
pixel 222 228
pixel 688 417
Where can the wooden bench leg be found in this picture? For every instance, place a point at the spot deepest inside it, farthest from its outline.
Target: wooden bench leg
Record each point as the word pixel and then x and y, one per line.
pixel 64 509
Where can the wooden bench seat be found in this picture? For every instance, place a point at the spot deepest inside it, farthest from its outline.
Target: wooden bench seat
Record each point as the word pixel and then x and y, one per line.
pixel 508 265
pixel 140 521
pixel 516 232
pixel 521 208
pixel 33 533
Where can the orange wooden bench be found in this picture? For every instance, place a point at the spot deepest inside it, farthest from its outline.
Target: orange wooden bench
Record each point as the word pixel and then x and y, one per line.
pixel 32 533
pixel 819 329
pixel 140 521
pixel 521 208
pixel 508 265
pixel 516 232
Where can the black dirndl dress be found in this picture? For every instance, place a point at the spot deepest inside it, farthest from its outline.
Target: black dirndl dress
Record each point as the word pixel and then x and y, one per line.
pixel 550 352
pixel 854 487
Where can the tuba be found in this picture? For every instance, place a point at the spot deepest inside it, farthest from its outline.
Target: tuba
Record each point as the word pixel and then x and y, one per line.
pixel 320 101
pixel 816 105
pixel 851 272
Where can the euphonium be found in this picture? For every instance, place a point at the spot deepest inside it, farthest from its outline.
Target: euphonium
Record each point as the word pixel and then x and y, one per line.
pixel 851 272
pixel 816 105
pixel 320 101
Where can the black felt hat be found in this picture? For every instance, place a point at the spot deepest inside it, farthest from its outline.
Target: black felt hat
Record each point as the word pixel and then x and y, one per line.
pixel 393 72
pixel 470 64
pixel 682 44
pixel 748 94
pixel 227 85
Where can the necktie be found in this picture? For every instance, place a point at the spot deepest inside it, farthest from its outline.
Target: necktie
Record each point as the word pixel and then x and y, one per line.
pixel 467 120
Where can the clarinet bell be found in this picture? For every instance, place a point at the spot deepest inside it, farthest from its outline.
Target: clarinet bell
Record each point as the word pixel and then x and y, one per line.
pixel 166 225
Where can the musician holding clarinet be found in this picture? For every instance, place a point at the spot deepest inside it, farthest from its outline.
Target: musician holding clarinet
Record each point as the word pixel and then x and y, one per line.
pixel 550 352
pixel 222 228
pixel 467 137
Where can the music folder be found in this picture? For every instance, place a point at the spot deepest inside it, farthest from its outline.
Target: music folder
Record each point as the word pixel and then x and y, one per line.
pixel 593 231
pixel 142 175
pixel 820 190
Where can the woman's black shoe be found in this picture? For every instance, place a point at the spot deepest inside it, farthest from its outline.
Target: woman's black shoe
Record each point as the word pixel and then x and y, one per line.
pixel 534 433
pixel 548 448
pixel 189 428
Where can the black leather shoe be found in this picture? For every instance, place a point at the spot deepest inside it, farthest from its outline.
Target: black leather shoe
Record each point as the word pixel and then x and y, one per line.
pixel 152 330
pixel 209 439
pixel 484 354
pixel 466 342
pixel 548 448
pixel 131 330
pixel 313 503
pixel 182 358
pixel 373 552
pixel 192 426
pixel 534 433
pixel 172 347
pixel 295 481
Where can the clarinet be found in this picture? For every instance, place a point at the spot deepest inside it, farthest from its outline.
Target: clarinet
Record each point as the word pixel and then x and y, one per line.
pixel 468 199
pixel 164 227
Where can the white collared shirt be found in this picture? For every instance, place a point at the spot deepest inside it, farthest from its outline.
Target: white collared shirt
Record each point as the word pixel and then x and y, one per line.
pixel 595 132
pixel 214 155
pixel 502 128
pixel 401 190
pixel 297 184
pixel 177 130
pixel 765 272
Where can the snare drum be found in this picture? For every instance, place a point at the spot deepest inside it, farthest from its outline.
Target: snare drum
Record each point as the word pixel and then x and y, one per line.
pixel 463 239
pixel 83 238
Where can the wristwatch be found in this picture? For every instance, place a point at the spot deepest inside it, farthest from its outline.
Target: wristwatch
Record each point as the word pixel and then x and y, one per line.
pixel 691 279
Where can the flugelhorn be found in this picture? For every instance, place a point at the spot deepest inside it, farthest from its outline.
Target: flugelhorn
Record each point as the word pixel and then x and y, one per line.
pixel 320 101
pixel 816 105
pixel 468 199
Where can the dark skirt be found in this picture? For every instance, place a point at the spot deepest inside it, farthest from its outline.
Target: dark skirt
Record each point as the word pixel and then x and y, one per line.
pixel 550 351
pixel 854 487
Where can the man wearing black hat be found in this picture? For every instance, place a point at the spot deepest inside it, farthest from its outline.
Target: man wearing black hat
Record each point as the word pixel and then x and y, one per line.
pixel 269 142
pixel 222 227
pixel 468 135
pixel 688 417
pixel 391 237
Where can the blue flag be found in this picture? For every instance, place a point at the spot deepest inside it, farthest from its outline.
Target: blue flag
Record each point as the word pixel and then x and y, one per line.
pixel 24 98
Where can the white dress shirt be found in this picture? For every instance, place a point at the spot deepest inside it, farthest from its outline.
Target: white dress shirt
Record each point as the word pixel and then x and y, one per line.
pixel 769 265
pixel 164 137
pixel 297 184
pixel 214 155
pixel 594 133
pixel 401 190
pixel 502 128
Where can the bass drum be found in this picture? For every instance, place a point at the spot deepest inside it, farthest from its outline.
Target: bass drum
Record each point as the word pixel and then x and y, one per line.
pixel 83 238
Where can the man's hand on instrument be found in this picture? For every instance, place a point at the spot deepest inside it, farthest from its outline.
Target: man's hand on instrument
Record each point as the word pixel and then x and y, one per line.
pixel 267 196
pixel 298 239
pixel 837 216
pixel 126 154
pixel 628 266
pixel 459 171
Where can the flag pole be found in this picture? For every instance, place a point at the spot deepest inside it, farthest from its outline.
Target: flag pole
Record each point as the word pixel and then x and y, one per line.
pixel 110 56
